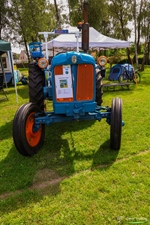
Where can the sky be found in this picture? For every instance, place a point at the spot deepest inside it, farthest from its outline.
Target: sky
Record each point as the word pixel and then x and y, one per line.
pixel 59 1
pixel 16 50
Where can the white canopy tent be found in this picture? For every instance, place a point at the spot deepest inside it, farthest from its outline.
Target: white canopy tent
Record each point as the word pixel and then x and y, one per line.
pixel 96 40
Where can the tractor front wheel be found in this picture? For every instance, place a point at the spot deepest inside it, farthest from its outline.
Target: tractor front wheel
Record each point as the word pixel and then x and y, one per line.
pixel 16 131
pixel 28 138
pixel 116 124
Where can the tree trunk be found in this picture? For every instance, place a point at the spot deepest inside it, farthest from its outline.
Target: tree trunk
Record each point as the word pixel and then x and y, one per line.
pixel 57 14
pixel 135 30
pixel 148 51
pixel 27 51
pixel 144 58
pixel 128 55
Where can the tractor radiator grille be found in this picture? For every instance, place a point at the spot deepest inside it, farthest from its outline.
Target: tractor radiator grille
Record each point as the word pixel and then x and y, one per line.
pixel 85 82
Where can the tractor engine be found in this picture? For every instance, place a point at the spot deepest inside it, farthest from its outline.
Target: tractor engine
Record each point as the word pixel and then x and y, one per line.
pixel 73 83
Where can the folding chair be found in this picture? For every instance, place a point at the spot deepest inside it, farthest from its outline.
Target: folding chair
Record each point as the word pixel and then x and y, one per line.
pixel 1 84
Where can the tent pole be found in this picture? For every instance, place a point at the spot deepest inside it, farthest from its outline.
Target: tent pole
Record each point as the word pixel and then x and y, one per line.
pixel 77 35
pixel 46 45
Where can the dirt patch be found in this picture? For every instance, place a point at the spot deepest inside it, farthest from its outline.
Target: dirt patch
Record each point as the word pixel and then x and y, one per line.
pixel 9 194
pixel 45 175
pixel 46 181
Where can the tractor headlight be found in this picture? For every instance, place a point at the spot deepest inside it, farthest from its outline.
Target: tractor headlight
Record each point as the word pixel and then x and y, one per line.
pixel 102 60
pixel 42 63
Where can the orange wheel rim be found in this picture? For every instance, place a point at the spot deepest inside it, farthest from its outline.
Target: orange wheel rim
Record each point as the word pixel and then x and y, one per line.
pixel 33 138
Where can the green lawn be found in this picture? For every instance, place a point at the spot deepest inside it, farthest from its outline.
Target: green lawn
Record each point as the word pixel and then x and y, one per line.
pixel 75 178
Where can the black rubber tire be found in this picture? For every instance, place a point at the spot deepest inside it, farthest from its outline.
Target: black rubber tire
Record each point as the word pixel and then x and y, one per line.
pixel 26 134
pixel 36 83
pixel 137 77
pixel 16 131
pixel 99 91
pixel 116 124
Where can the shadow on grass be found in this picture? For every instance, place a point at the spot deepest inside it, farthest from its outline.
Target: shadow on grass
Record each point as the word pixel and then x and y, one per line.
pixel 144 82
pixel 6 130
pixel 119 89
pixel 3 98
pixel 20 175
pixel 22 91
pixel 104 157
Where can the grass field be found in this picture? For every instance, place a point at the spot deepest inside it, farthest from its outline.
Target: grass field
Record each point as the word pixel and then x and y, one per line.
pixel 75 178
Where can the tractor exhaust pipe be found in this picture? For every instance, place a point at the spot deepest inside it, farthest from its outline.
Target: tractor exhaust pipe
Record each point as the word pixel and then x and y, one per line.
pixel 85 28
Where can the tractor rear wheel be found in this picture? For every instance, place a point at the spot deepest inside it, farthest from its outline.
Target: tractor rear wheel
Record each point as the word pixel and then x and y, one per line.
pixel 99 91
pixel 116 124
pixel 36 83
pixel 28 139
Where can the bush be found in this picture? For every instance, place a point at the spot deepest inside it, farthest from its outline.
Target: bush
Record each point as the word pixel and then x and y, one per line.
pixel 22 65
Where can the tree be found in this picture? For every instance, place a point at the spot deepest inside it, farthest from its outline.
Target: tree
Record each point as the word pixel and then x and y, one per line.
pixel 57 14
pixel 3 19
pixel 145 32
pixel 120 13
pixel 97 14
pixel 141 27
pixel 60 15
pixel 135 30
pixel 27 18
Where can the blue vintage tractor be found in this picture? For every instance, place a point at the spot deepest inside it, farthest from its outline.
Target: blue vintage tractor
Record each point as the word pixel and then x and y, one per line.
pixel 74 85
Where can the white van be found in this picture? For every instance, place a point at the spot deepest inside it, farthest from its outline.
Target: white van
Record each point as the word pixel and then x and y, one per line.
pixel 8 75
pixel 7 68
